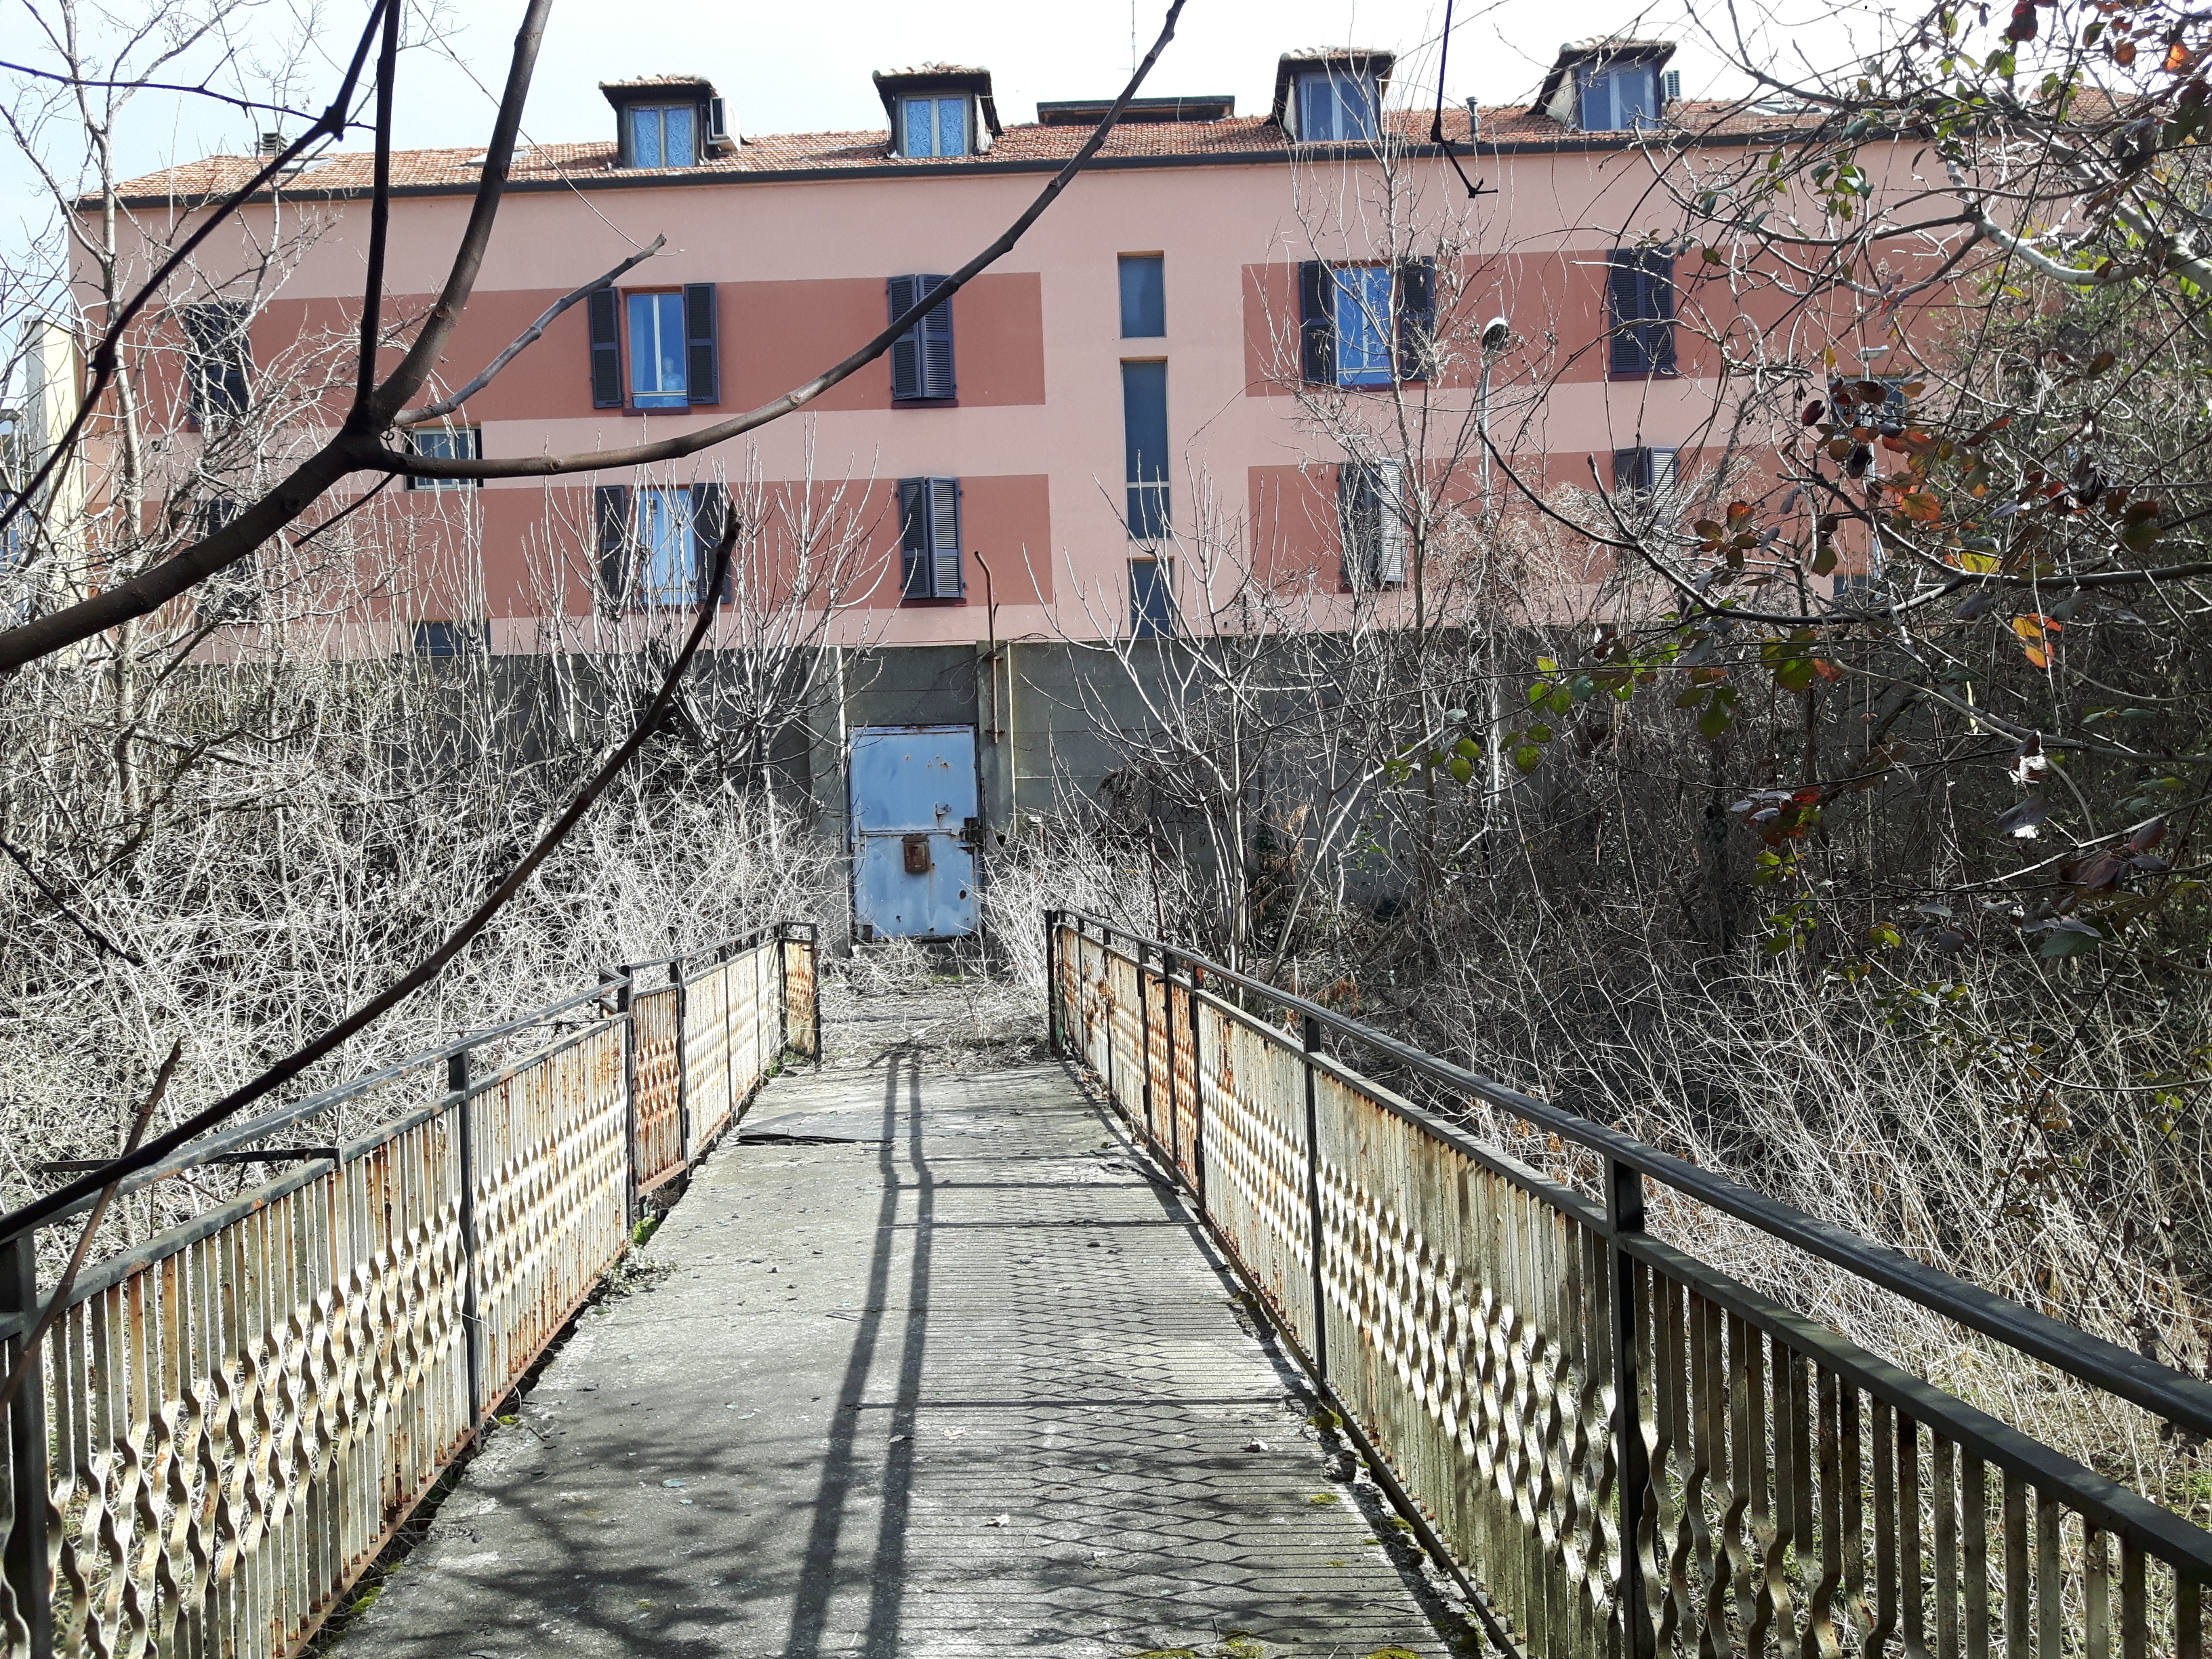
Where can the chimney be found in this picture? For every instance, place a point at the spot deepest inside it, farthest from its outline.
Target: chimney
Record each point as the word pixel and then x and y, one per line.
pixel 273 143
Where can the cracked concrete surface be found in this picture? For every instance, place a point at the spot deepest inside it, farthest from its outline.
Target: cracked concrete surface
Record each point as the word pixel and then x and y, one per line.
pixel 925 1365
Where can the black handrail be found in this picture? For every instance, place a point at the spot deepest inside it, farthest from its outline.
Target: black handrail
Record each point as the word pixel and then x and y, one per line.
pixel 2174 1395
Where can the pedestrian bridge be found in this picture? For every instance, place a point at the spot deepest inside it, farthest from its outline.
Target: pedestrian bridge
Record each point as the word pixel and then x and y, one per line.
pixel 1042 1360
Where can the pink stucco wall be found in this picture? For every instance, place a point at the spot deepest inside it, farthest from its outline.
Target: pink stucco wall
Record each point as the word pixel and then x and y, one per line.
pixel 1037 431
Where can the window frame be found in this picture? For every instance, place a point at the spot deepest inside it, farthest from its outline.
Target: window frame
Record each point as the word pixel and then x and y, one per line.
pixel 1408 334
pixel 467 638
pixel 1372 523
pixel 1149 498
pixel 1157 299
pixel 925 504
pixel 1611 77
pixel 681 551
pixel 908 102
pixel 680 397
pixel 472 450
pixel 696 114
pixel 1153 613
pixel 1338 83
pixel 1634 350
pixel 204 369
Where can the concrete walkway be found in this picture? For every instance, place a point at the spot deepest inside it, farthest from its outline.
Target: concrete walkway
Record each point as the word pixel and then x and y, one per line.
pixel 932 1367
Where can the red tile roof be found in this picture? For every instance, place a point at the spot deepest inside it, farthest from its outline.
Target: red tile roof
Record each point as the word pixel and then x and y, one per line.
pixel 1194 141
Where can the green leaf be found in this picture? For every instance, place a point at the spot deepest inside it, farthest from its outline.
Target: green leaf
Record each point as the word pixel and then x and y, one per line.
pixel 1715 719
pixel 1461 768
pixel 1528 757
pixel 1469 747
pixel 1539 733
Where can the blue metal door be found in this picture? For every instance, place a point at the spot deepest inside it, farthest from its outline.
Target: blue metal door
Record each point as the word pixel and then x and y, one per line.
pixel 915 830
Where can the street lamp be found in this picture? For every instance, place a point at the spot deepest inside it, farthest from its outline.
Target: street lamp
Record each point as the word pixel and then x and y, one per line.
pixel 1496 335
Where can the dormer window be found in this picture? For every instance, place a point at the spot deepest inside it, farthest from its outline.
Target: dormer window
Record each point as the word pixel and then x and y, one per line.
pixel 664 135
pixel 668 121
pixel 938 109
pixel 1331 96
pixel 934 126
pixel 1336 106
pixel 1620 98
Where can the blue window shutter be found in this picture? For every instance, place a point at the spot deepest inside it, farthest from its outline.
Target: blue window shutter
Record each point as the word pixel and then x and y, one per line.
pixel 1417 318
pixel 938 379
pixel 1628 469
pixel 906 350
pixel 1317 324
pixel 1355 514
pixel 945 564
pixel 914 537
pixel 702 351
pixel 1659 309
pixel 606 349
pixel 611 504
pixel 710 510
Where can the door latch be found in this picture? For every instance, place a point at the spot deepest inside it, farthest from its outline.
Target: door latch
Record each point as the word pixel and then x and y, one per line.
pixel 972 832
pixel 916 847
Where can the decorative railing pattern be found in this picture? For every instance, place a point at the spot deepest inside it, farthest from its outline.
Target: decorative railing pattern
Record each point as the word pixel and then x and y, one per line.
pixel 1539 1379
pixel 227 1422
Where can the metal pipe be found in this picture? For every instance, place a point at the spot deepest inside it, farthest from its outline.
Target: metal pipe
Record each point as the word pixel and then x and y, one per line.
pixel 1623 1214
pixel 25 1561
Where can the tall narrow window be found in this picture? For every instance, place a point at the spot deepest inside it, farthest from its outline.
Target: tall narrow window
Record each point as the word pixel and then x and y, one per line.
pixel 217 356
pixel 446 443
pixel 664 136
pixel 1144 296
pixel 668 557
pixel 1364 354
pixel 1372 501
pixel 1640 307
pixel 1336 106
pixel 233 593
pixel 1152 599
pixel 929 538
pixel 921 358
pixel 1144 440
pixel 656 354
pixel 933 127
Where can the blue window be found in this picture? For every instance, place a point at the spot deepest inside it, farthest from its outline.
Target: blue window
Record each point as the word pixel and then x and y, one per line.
pixel 447 443
pixel 1336 106
pixel 453 639
pixel 1152 599
pixel 1145 439
pixel 656 351
pixel 218 355
pixel 1364 331
pixel 662 135
pixel 1143 297
pixel 668 557
pixel 1622 99
pixel 933 127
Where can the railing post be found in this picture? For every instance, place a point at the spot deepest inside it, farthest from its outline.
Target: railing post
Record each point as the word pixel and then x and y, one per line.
pixel 1623 1214
pixel 29 1572
pixel 1144 1026
pixel 1167 1013
pixel 1197 1093
pixel 625 983
pixel 782 996
pixel 1106 981
pixel 1319 1347
pixel 1052 983
pixel 457 1082
pixel 682 1066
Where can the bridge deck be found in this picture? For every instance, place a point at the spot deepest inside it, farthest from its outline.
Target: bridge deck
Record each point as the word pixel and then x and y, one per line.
pixel 945 1372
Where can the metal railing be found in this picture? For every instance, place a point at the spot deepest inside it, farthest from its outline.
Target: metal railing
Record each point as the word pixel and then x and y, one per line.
pixel 1536 1378
pixel 228 1421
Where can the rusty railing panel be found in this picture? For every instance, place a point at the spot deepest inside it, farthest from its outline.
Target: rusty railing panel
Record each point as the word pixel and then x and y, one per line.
pixel 1627 1450
pixel 227 1422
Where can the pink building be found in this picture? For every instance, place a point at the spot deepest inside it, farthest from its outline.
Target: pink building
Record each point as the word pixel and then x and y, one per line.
pixel 1214 360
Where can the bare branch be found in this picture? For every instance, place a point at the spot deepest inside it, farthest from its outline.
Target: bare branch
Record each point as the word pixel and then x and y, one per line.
pixel 527 339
